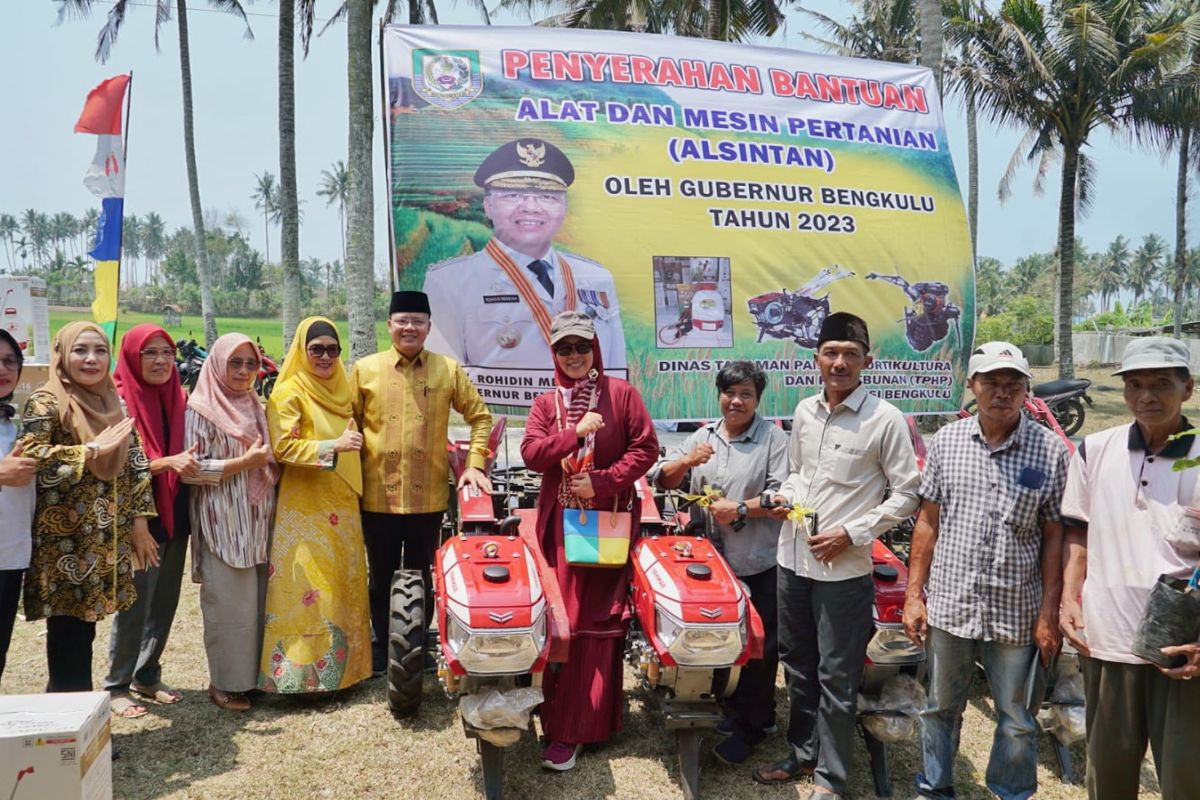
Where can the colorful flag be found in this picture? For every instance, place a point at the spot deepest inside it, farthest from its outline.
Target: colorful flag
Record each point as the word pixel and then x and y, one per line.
pixel 105 178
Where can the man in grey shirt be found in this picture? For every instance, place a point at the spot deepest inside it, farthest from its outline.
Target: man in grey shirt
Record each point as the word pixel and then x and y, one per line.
pixel 743 455
pixel 852 461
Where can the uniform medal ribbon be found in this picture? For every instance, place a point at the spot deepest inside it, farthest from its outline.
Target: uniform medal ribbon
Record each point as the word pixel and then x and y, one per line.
pixel 525 286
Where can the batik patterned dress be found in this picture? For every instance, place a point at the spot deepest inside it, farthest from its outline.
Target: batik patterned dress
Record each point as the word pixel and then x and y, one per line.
pixel 82 565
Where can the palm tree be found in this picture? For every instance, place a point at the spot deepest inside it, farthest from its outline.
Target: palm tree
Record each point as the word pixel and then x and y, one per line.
pixel 104 44
pixel 154 241
pixel 1060 72
pixel 87 228
pixel 885 30
pixel 1146 265
pixel 131 244
pixel 9 228
pixel 335 188
pixel 289 207
pixel 1111 268
pixel 931 38
pixel 37 233
pixel 265 197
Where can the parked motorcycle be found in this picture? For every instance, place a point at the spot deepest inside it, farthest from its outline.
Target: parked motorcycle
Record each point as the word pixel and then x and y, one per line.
pixel 1065 399
pixel 927 319
pixel 268 371
pixel 796 315
pixel 189 359
pixel 694 627
pixel 670 334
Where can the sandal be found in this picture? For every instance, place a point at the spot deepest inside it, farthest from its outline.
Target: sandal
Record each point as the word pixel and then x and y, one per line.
pixel 158 693
pixel 122 705
pixel 230 701
pixel 789 770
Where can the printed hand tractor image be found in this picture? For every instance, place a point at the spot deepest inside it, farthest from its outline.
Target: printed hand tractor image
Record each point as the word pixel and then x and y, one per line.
pixel 927 320
pixel 796 315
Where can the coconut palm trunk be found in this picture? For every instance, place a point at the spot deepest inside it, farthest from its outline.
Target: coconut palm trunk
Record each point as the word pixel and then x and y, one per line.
pixel 1066 260
pixel 360 210
pixel 289 236
pixel 1181 255
pixel 931 38
pixel 972 173
pixel 203 269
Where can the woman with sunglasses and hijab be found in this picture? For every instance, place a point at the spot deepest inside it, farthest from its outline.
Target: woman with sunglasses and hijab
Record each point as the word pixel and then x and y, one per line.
pixel 17 472
pixel 148 383
pixel 231 502
pixel 93 499
pixel 317 636
pixel 591 438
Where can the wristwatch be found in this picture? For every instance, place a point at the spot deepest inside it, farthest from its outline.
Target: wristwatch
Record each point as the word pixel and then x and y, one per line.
pixel 742 510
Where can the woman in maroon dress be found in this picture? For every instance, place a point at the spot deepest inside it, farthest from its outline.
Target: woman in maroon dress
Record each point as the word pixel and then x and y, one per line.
pixel 591 439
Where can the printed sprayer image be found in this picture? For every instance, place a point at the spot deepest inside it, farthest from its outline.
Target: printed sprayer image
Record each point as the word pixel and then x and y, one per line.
pixel 796 315
pixel 927 319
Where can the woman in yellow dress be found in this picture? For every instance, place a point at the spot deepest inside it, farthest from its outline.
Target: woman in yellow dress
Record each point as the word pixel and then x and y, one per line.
pixel 317 636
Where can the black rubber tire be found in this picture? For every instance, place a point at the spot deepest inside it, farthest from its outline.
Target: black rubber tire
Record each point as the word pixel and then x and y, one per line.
pixel 268 386
pixel 920 337
pixel 406 643
pixel 669 334
pixel 1070 416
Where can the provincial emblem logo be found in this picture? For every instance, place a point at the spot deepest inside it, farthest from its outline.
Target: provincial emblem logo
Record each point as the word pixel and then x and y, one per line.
pixel 447 79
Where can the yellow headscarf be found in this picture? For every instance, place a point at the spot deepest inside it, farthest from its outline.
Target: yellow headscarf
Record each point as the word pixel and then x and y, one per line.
pixel 329 402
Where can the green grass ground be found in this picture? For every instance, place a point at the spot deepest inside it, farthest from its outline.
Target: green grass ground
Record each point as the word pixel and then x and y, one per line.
pixel 268 331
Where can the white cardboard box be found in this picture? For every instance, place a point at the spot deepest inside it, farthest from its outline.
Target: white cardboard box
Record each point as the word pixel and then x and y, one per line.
pixel 55 746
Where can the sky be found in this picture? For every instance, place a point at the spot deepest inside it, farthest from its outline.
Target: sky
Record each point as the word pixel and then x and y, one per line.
pixel 51 68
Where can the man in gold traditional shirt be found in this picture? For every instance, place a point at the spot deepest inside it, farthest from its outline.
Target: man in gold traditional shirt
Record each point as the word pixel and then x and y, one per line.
pixel 403 398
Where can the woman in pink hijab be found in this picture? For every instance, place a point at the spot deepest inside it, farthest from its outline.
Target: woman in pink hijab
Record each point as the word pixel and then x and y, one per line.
pixel 231 510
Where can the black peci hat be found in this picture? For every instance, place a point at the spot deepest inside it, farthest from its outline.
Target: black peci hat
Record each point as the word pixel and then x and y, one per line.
pixel 526 164
pixel 416 302
pixel 844 327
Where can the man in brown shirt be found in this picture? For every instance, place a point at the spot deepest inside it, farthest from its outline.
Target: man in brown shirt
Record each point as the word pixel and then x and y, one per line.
pixel 403 398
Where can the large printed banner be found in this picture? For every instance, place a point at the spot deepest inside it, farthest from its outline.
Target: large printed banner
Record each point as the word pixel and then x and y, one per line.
pixel 701 201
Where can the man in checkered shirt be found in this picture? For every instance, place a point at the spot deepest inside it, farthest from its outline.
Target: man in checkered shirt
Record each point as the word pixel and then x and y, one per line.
pixel 987 547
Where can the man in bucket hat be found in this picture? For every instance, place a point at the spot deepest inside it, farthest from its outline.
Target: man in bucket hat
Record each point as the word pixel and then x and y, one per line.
pixel 987 551
pixel 1124 512
pixel 492 309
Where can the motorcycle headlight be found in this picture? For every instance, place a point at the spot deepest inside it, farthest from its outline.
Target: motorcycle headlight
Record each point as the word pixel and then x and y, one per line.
pixel 700 644
pixel 890 645
pixel 491 652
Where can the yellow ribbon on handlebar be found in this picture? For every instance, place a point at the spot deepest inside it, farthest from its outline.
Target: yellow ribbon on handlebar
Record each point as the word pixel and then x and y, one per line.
pixel 706 499
pixel 799 513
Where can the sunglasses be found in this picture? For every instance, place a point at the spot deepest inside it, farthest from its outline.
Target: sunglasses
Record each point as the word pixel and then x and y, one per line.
pixel 579 349
pixel 325 351
pixel 251 364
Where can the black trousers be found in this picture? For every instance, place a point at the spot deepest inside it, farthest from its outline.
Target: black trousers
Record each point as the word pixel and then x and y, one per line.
pixel 394 541
pixel 69 653
pixel 824 628
pixel 10 595
pixel 752 706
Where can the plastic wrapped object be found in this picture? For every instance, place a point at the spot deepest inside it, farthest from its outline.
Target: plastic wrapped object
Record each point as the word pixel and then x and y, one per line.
pixel 1171 617
pixel 495 708
pixel 893 717
pixel 1066 722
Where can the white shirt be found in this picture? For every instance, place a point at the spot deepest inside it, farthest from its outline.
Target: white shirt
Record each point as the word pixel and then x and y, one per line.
pixel 1128 498
pixel 842 462
pixel 16 511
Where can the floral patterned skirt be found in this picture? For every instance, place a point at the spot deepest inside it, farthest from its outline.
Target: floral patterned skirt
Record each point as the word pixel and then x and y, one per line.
pixel 317 636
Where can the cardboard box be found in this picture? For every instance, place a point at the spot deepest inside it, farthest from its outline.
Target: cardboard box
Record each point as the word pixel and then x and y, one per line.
pixel 55 746
pixel 24 313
